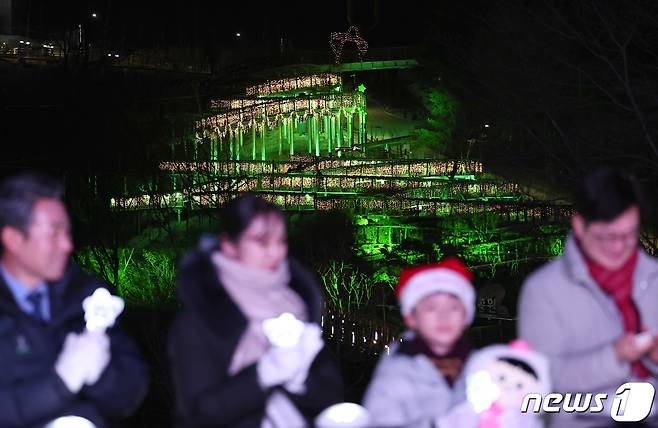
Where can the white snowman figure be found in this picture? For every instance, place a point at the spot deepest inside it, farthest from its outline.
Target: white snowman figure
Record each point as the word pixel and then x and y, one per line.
pixel 497 379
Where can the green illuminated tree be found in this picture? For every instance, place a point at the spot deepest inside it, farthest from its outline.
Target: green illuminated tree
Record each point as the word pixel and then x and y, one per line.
pixel 443 109
pixel 347 288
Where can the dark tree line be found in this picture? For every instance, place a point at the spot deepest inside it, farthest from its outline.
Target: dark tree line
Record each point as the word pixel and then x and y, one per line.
pixel 563 85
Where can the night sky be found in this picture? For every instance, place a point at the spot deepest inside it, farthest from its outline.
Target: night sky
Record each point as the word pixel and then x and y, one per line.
pixel 307 24
pixel 550 75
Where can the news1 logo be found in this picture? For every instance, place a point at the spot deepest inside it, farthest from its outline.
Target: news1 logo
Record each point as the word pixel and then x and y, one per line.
pixel 632 402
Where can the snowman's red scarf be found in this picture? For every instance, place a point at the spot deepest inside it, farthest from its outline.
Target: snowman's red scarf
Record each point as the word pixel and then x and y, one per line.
pixel 619 285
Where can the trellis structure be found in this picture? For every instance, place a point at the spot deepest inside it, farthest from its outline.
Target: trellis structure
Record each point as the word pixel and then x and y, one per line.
pixel 313 107
pixel 426 187
pixel 285 140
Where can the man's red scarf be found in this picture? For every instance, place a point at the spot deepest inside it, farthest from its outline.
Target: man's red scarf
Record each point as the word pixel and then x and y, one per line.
pixel 619 285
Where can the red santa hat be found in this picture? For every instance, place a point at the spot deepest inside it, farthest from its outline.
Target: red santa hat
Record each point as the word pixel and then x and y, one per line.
pixel 448 276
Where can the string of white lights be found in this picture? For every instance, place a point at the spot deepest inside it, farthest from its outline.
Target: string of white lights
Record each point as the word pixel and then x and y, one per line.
pixel 512 210
pixel 337 41
pixel 345 104
pixel 309 164
pixel 294 83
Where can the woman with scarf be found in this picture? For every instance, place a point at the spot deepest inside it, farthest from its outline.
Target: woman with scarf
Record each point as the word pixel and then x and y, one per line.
pixel 225 370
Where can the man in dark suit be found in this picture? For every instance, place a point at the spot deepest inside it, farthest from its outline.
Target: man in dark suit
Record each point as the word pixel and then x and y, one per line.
pixel 51 365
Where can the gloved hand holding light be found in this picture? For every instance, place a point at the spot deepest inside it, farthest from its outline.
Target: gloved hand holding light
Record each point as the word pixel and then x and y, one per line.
pixel 85 356
pixel 295 344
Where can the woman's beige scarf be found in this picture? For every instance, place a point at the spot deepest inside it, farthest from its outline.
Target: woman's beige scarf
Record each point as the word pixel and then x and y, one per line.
pixel 260 294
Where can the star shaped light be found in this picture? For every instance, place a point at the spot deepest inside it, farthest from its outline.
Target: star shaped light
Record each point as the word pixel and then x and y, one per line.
pixel 337 41
pixel 102 309
pixel 284 331
pixel 481 391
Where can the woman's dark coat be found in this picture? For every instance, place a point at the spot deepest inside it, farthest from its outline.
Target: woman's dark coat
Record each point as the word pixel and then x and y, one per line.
pixel 204 337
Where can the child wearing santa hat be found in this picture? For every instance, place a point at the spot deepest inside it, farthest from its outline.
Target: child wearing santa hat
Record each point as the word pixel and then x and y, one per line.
pixel 418 381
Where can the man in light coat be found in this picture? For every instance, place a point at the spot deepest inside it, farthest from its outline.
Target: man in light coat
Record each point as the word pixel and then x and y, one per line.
pixel 586 309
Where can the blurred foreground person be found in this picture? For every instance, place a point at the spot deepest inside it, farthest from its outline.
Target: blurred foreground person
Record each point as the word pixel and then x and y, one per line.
pixel 246 350
pixel 419 384
pixel 587 309
pixel 52 366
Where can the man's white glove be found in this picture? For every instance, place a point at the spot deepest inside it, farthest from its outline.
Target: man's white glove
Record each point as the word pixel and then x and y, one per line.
pixel 96 345
pixel 311 343
pixel 82 359
pixel 70 364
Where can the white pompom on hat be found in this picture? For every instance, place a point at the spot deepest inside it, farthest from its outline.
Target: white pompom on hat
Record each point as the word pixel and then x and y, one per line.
pixel 448 276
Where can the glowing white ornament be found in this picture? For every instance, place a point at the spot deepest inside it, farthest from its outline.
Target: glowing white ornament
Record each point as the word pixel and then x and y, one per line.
pixel 343 415
pixel 284 331
pixel 481 391
pixel 101 310
pixel 71 422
